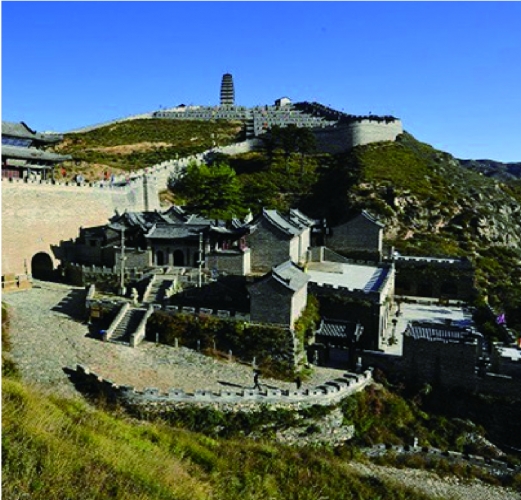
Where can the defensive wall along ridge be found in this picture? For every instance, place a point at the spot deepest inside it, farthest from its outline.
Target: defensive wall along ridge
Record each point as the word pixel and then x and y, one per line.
pixel 39 214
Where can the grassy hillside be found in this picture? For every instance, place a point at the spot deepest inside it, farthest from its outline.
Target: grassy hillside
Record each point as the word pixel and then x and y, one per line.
pixel 137 144
pixel 55 448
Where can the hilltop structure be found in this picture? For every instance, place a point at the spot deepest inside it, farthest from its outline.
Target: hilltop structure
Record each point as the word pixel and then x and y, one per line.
pixel 335 131
pixel 227 90
pixel 22 153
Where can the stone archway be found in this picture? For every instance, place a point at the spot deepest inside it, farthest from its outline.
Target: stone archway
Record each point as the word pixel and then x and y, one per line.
pixel 42 267
pixel 160 258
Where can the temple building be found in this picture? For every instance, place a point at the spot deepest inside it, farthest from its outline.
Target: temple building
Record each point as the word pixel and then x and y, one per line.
pixel 22 153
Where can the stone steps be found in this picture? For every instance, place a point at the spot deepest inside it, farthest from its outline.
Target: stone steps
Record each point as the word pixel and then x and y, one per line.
pixel 127 326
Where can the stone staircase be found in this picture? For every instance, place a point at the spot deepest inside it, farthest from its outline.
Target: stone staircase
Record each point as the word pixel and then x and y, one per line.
pixel 128 325
pixel 158 289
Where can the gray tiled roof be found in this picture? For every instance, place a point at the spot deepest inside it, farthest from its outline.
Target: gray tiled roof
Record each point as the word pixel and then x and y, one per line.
pixel 173 231
pixel 290 275
pixel 438 332
pixel 302 219
pixel 339 329
pixel 371 218
pixel 279 221
pixel 32 154
pixel 15 129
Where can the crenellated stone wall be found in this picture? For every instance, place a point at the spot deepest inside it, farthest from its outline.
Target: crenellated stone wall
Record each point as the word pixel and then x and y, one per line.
pixel 151 399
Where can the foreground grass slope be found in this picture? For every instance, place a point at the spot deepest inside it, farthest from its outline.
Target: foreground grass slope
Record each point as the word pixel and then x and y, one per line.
pixel 67 449
pixel 57 448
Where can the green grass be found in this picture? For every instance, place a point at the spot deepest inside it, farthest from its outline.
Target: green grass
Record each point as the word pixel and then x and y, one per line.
pixel 147 141
pixel 59 448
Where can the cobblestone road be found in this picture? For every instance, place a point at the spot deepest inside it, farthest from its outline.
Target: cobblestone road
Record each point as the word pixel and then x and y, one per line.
pixel 48 335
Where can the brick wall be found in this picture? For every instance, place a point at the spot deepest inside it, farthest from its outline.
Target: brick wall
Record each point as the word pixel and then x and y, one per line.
pixel 356 235
pixel 229 262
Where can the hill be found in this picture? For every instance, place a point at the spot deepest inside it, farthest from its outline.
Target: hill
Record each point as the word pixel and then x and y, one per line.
pixel 136 144
pixel 499 170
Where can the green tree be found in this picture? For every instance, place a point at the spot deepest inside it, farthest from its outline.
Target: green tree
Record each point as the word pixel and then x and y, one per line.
pixel 212 191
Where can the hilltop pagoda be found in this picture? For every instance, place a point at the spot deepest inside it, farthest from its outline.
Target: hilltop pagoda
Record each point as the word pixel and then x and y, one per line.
pixel 227 90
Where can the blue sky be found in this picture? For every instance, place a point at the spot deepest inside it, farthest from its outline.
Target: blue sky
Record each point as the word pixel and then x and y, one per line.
pixel 450 70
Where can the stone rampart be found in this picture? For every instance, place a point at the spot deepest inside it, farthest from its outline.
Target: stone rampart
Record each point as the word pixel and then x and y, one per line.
pixel 324 289
pixel 368 131
pixel 491 464
pixel 151 399
pixel 36 216
pixel 346 136
pixel 451 365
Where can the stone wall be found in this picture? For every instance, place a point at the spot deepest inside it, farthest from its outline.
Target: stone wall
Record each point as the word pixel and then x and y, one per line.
pixel 343 137
pixel 424 277
pixel 36 216
pixel 226 400
pixel 369 131
pixel 230 262
pixel 451 365
pixel 269 247
pixel 271 302
pixel 357 235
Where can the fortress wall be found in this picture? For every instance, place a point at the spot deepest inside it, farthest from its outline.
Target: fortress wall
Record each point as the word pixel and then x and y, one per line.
pixel 36 216
pixel 368 131
pixel 343 137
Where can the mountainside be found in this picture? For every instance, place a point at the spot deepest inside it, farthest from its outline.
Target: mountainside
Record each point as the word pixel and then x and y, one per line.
pixel 496 169
pixel 424 195
pixel 141 143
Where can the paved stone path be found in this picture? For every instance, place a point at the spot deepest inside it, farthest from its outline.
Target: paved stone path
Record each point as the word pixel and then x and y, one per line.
pixel 49 334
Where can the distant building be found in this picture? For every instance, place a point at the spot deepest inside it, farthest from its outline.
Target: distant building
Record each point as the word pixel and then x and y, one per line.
pixel 22 156
pixel 283 101
pixel 227 90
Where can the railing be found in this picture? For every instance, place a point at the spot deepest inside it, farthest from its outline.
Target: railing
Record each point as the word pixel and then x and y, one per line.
pixel 137 336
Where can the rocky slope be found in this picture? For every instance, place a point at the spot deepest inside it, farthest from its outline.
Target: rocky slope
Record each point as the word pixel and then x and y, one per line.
pixel 496 169
pixel 428 200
